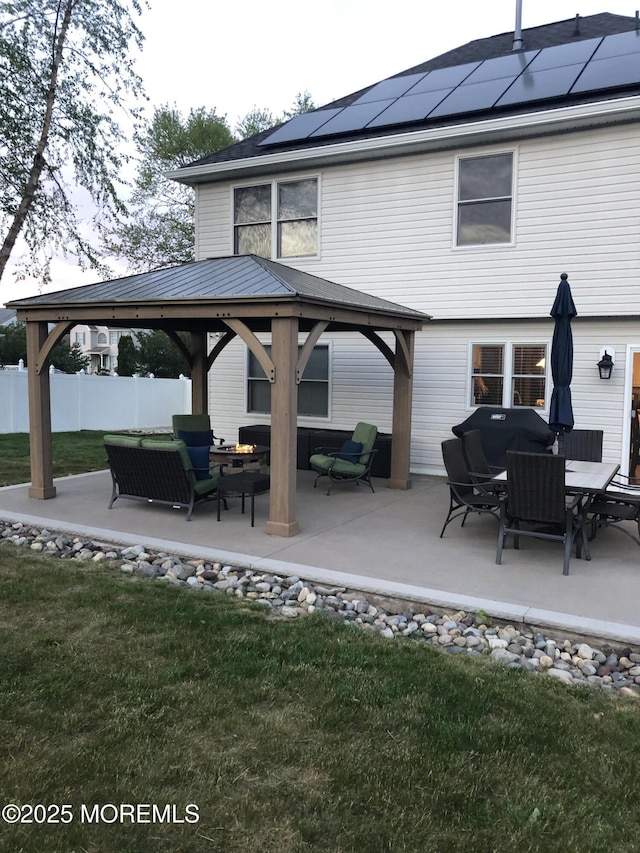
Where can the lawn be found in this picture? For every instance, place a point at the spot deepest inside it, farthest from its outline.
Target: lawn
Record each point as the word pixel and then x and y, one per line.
pixel 73 453
pixel 296 735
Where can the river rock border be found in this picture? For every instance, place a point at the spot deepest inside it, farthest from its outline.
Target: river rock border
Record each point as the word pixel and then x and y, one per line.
pixel 290 597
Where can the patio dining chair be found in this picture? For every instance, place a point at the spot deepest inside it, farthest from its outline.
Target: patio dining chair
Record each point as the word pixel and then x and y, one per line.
pixel 479 469
pixel 465 496
pixel 536 497
pixel 616 508
pixel 583 444
pixel 352 463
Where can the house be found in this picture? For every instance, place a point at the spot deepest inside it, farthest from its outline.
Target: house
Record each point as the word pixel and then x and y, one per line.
pixel 463 188
pixel 100 343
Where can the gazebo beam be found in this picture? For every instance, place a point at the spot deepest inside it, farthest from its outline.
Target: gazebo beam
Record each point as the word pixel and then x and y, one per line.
pixel 199 374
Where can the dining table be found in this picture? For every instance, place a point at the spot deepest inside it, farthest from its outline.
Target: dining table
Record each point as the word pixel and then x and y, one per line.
pixel 582 478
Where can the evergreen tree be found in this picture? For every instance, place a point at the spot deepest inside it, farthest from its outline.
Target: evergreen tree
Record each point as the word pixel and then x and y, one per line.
pixel 127 356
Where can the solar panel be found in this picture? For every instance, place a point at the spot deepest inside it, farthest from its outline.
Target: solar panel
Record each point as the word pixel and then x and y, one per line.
pixel 299 127
pixel 502 66
pixel 355 117
pixel 516 78
pixel 443 78
pixel 564 54
pixel 539 85
pixel 392 87
pixel 610 72
pixel 472 97
pixel 619 45
pixel 409 108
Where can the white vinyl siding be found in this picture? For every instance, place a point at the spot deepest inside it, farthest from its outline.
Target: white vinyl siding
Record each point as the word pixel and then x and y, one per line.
pixel 387 228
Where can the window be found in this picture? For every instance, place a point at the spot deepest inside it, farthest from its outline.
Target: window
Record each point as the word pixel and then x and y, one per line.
pixel 313 390
pixel 509 375
pixel 102 338
pixel 114 337
pixel 291 233
pixel 81 338
pixel 485 195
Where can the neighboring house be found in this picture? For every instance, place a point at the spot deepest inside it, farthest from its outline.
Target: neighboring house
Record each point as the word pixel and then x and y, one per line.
pixel 462 187
pixel 100 343
pixel 7 316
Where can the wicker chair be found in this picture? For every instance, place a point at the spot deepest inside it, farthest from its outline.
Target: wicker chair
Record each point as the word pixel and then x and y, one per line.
pixel 465 496
pixel 479 469
pixel 536 497
pixel 616 506
pixel 583 444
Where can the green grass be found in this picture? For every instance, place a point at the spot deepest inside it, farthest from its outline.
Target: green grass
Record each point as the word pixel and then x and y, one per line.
pixel 303 735
pixel 73 453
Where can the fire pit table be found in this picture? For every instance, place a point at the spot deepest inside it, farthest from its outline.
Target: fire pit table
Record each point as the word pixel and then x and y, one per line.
pixel 241 457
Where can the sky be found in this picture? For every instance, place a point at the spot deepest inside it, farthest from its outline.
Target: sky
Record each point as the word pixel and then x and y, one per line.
pixel 234 56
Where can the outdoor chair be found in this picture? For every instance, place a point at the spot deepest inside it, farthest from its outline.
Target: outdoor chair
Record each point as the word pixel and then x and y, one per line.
pixel 194 430
pixel 583 444
pixel 479 469
pixel 465 496
pixel 619 504
pixel 352 463
pixel 160 471
pixel 536 497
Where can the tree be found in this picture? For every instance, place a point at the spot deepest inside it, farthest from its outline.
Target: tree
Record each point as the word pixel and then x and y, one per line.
pixel 13 347
pixel 158 228
pixel 158 354
pixel 259 118
pixel 65 72
pixel 127 356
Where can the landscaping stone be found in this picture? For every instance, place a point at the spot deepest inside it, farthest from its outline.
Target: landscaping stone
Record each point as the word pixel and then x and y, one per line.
pixel 291 597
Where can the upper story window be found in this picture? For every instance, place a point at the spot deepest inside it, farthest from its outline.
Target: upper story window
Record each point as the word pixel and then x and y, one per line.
pixel 114 337
pixel 81 338
pixel 509 375
pixel 276 220
pixel 485 200
pixel 102 338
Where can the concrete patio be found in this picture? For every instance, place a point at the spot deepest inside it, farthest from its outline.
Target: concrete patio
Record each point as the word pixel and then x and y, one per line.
pixel 386 543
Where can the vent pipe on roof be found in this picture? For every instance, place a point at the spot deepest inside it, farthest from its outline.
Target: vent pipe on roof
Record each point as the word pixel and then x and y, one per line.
pixel 637 20
pixel 518 44
pixel 576 31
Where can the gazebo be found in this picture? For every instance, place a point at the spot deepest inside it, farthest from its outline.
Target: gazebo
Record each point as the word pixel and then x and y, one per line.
pixel 242 296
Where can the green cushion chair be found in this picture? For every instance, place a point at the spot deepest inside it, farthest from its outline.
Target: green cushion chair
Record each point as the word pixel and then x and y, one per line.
pixel 351 464
pixel 193 424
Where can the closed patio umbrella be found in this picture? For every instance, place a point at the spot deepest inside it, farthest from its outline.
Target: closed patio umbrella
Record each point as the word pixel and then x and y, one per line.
pixel 561 410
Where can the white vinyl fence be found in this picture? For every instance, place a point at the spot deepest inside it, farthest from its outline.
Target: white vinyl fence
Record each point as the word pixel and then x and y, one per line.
pixel 80 401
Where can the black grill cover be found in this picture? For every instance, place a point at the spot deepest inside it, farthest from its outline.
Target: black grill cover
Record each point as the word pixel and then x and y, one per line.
pixel 507 429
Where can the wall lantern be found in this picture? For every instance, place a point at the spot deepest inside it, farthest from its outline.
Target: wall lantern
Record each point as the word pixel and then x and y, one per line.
pixel 605 365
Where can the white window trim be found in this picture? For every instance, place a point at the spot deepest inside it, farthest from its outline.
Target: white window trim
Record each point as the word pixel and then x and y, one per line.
pixel 509 345
pixel 273 183
pixel 301 418
pixel 469 155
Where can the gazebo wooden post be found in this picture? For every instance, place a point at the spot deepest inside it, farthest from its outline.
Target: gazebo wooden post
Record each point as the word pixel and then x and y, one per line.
pixel 42 486
pixel 284 427
pixel 199 374
pixel 402 404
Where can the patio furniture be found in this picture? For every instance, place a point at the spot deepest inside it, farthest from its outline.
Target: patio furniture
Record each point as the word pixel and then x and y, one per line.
pixel 479 469
pixel 248 483
pixel 158 471
pixel 536 496
pixel 352 463
pixel 465 496
pixel 194 430
pixel 583 444
pixel 618 504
